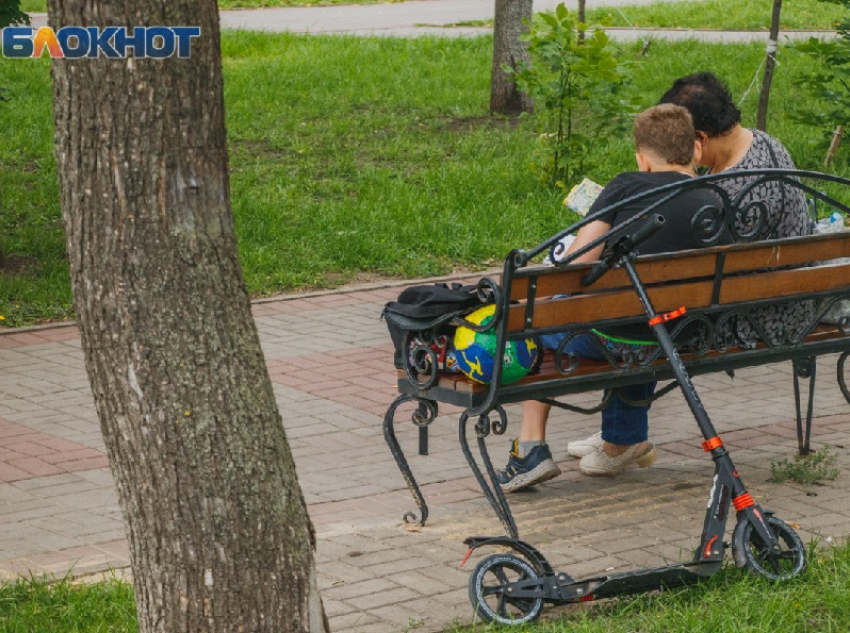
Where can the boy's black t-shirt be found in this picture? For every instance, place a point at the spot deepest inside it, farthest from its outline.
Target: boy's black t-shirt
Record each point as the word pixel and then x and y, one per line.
pixel 677 233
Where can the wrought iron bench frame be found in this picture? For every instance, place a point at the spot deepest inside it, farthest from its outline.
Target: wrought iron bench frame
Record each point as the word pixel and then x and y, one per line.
pixel 719 285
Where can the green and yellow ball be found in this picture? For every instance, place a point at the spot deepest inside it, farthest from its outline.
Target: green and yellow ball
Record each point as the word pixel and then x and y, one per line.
pixel 474 351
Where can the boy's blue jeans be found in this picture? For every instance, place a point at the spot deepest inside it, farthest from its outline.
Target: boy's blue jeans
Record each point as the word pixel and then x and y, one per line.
pixel 622 424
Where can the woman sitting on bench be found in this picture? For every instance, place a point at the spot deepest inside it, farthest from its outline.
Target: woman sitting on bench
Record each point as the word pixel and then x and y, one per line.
pixel 666 154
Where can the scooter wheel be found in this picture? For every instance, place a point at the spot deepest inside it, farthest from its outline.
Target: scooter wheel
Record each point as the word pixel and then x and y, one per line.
pixel 752 552
pixel 489 590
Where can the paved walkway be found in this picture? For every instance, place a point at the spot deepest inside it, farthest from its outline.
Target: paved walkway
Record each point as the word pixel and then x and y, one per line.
pixel 59 512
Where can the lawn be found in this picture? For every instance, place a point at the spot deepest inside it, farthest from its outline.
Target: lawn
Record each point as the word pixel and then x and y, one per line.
pixel 355 157
pixel 728 15
pixel 35 606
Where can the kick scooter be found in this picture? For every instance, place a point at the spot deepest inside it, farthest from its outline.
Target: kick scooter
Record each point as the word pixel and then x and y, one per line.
pixel 511 588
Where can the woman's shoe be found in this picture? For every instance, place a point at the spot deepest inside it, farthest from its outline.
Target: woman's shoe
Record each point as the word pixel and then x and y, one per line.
pixel 580 448
pixel 599 463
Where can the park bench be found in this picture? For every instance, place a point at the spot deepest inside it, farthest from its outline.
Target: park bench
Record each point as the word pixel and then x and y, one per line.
pixel 719 287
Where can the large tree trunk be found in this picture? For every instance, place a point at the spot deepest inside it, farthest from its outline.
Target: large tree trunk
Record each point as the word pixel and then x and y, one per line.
pixel 770 62
pixel 219 535
pixel 505 97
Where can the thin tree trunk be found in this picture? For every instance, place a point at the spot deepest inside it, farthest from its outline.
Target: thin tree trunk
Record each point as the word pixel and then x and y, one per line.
pixel 505 97
pixel 830 155
pixel 770 62
pixel 582 17
pixel 220 540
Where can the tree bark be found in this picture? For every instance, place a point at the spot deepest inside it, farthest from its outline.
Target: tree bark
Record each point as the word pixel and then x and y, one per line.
pixel 770 62
pixel 582 17
pixel 508 50
pixel 219 535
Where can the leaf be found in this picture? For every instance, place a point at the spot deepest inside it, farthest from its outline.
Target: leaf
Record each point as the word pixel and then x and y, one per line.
pixel 561 12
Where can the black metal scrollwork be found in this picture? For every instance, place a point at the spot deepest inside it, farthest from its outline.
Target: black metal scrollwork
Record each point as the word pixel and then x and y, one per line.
pixel 423 361
pixel 841 382
pixel 708 225
pixel 426 413
pixel 484 426
pixel 750 221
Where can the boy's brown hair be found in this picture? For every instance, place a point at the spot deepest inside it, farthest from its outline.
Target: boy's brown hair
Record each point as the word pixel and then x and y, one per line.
pixel 667 132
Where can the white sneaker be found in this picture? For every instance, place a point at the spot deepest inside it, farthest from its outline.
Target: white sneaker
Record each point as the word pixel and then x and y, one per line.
pixel 580 448
pixel 600 463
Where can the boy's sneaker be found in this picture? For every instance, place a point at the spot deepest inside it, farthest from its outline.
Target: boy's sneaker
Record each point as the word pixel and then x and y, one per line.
pixel 580 448
pixel 522 472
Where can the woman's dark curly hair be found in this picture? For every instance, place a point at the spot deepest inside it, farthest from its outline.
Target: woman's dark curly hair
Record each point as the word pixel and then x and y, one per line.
pixel 708 100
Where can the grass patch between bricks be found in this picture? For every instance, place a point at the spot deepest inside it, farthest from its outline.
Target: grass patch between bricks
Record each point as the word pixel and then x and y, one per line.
pixel 806 469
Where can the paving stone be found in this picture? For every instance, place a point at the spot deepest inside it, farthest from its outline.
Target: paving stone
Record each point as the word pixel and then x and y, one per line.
pixel 357 622
pixel 350 591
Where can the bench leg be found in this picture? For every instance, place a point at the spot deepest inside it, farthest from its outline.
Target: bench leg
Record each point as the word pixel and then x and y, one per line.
pixel 491 490
pixel 805 368
pixel 422 417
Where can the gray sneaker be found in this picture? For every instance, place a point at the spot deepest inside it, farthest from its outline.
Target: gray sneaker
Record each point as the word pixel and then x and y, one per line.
pixel 580 448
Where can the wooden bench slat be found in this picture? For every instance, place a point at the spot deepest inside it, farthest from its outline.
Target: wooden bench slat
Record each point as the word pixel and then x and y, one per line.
pixel 614 304
pixel 687 265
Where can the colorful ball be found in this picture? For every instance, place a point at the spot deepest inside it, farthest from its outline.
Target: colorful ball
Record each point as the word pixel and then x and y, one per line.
pixel 474 351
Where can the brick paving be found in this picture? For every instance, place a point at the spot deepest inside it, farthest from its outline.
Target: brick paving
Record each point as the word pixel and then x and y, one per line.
pixel 330 360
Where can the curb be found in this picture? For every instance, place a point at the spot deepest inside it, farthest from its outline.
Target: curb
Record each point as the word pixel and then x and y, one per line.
pixel 342 290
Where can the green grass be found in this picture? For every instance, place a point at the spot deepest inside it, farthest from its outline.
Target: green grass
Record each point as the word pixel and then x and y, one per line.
pixel 356 156
pixel 807 470
pixel 695 14
pixel 730 602
pixel 34 6
pixel 753 15
pixel 33 605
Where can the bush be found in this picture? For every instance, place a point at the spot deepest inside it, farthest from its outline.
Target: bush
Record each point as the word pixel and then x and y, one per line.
pixel 576 83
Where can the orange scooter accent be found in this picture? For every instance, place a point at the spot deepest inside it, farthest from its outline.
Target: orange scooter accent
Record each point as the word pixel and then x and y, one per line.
pixel 743 501
pixel 669 316
pixel 711 444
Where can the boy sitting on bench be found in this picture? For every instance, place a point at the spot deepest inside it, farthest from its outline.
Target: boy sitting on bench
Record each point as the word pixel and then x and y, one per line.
pixel 666 151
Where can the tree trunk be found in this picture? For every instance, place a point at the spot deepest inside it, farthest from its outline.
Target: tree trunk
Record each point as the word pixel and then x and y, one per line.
pixel 508 50
pixel 830 154
pixel 582 17
pixel 219 535
pixel 770 62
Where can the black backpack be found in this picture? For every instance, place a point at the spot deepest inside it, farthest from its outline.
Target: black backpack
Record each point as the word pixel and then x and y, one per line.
pixel 426 313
